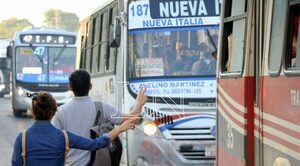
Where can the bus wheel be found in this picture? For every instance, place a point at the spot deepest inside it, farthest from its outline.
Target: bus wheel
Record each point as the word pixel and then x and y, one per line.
pixel 18 113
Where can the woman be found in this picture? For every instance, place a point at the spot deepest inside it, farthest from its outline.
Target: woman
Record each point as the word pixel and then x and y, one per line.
pixel 46 145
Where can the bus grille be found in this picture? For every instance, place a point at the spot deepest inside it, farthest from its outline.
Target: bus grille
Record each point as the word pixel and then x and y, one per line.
pixel 195 155
pixel 193 152
pixel 191 134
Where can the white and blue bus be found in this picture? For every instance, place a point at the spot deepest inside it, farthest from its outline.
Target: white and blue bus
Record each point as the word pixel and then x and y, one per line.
pixel 42 60
pixel 170 47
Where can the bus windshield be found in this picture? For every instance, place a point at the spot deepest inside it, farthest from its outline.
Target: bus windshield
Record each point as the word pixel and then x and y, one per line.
pixel 174 62
pixel 44 64
pixel 172 47
pixel 173 52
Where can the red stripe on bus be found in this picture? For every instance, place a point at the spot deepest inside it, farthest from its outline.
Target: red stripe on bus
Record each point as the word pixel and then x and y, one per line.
pixel 280 141
pixel 231 106
pixel 280 128
pixel 234 120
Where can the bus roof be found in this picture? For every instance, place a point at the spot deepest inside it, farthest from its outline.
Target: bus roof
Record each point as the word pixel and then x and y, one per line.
pixel 44 30
pixel 108 2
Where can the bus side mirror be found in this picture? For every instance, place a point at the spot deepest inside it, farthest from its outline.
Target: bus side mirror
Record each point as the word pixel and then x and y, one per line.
pixel 9 51
pixel 115 34
pixel 5 64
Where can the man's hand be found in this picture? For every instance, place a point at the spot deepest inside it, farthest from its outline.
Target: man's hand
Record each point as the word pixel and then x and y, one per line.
pixel 141 98
pixel 128 124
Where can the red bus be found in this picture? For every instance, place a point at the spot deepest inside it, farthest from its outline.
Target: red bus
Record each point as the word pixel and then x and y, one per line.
pixel 258 83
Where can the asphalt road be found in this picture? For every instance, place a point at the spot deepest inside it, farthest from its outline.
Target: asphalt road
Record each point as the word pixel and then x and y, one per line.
pixel 10 127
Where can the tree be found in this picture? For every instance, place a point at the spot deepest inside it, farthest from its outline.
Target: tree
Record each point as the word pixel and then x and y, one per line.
pixel 10 26
pixel 57 19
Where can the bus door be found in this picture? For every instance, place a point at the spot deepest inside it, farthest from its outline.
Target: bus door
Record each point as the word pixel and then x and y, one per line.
pixel 235 85
pixel 280 88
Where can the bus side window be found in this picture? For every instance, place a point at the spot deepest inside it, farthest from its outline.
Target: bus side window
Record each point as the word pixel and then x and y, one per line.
pixel 112 51
pixel 83 52
pixel 277 34
pixel 104 41
pixel 233 38
pixel 95 45
pixel 293 56
pixel 88 49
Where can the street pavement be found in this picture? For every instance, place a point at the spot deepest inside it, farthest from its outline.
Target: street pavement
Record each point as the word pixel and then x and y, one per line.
pixel 10 127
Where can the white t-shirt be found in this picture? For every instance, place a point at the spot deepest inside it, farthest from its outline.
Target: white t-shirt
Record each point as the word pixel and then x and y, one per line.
pixel 78 116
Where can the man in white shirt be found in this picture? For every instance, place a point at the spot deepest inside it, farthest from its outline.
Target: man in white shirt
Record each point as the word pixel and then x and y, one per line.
pixel 78 115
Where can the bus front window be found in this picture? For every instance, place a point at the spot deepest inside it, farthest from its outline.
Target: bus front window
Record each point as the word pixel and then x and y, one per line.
pixel 179 52
pixel 62 60
pixel 30 62
pixel 62 64
pixel 44 64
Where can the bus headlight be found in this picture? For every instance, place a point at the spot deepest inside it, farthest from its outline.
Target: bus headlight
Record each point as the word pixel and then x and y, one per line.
pixel 21 91
pixel 149 128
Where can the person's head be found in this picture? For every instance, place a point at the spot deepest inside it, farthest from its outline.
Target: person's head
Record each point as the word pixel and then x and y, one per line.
pixel 43 106
pixel 203 47
pixel 80 82
pixel 184 53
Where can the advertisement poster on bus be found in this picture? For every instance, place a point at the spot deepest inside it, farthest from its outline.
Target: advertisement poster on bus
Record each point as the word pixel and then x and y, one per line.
pixel 177 88
pixel 146 67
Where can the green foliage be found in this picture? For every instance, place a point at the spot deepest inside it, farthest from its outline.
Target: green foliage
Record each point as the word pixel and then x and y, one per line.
pixel 10 26
pixel 57 19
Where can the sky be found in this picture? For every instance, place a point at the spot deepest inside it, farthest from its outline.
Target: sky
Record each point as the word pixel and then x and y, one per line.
pixel 33 10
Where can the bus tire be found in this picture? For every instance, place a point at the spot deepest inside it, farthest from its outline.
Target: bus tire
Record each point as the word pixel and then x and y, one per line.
pixel 18 113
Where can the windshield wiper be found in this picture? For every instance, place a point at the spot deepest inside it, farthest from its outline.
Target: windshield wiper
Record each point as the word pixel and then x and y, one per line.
pixel 40 58
pixel 213 44
pixel 56 58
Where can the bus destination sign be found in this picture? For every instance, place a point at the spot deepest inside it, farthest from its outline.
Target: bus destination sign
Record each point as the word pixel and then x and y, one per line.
pixel 173 13
pixel 180 8
pixel 47 39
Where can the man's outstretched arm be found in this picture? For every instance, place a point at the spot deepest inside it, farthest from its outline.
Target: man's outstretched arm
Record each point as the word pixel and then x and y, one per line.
pixel 141 99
